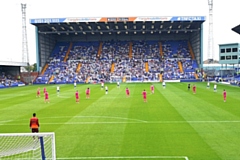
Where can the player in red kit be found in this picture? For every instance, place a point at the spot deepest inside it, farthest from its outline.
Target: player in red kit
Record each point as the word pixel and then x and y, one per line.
pixel 77 96
pixel 34 124
pixel 144 93
pixel 46 97
pixel 38 92
pixel 127 92
pixel 87 93
pixel 152 89
pixel 224 95
pixel 44 90
pixel 194 89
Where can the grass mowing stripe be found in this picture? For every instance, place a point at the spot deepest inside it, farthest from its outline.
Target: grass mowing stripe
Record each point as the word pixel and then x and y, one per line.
pixel 113 125
pixel 161 138
pixel 195 109
pixel 96 133
pixel 31 105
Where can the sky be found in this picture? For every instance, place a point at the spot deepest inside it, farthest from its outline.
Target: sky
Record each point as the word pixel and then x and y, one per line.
pixel 225 17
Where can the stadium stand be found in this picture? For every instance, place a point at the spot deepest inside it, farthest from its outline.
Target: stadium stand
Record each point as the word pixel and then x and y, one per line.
pixel 119 48
pixel 97 61
pixel 55 63
pixel 8 80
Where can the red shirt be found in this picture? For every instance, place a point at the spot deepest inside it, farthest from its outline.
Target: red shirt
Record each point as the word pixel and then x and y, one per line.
pixel 76 94
pixel 46 95
pixel 152 88
pixel 144 93
pixel 34 122
pixel 224 94
pixel 194 88
pixel 87 91
pixel 127 91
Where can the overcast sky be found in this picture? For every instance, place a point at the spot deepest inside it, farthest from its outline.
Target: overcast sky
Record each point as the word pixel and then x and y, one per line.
pixel 225 17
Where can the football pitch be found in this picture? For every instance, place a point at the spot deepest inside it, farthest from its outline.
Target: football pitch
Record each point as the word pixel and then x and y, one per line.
pixel 174 123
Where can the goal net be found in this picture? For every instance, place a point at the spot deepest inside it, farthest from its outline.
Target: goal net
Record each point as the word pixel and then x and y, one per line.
pixel 115 79
pixel 27 146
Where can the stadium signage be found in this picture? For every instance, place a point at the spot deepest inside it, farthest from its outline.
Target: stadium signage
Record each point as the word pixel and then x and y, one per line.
pixel 91 19
pixel 117 19
pixel 154 18
pixel 194 18
pixel 179 59
pixel 46 20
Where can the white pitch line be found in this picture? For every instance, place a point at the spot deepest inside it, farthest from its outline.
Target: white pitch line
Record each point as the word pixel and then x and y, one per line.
pixel 5 121
pixel 107 117
pixel 72 123
pixel 131 157
pixel 94 122
pixel 152 122
pixel 159 122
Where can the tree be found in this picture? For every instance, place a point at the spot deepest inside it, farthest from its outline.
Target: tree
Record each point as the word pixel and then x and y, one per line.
pixel 34 67
pixel 29 68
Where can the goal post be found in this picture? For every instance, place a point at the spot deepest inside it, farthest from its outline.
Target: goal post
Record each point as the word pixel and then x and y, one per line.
pixel 27 146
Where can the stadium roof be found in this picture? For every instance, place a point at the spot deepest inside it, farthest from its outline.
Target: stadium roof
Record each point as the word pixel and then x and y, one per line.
pixel 13 63
pixel 236 29
pixel 118 25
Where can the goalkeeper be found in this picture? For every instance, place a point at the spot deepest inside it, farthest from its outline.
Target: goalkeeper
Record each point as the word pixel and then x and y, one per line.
pixel 34 124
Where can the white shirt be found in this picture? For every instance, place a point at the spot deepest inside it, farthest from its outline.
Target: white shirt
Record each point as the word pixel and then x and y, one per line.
pixel 215 86
pixel 58 88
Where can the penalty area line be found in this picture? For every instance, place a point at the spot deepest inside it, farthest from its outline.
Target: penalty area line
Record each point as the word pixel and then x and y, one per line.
pixel 130 157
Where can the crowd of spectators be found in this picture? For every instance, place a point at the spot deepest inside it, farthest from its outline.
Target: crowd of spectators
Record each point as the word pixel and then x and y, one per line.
pixel 175 51
pixel 235 81
pixel 97 67
pixel 7 80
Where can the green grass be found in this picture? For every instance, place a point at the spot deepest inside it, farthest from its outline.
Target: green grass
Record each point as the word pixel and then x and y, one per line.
pixel 173 124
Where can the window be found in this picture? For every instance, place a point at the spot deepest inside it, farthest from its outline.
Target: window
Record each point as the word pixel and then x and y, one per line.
pixel 228 50
pixel 234 49
pixel 234 57
pixel 222 50
pixel 222 57
pixel 228 57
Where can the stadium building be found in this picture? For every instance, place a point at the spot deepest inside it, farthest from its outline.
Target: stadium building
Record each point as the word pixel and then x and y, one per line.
pixel 118 48
pixel 10 73
pixel 228 66
pixel 127 47
pixel 237 51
